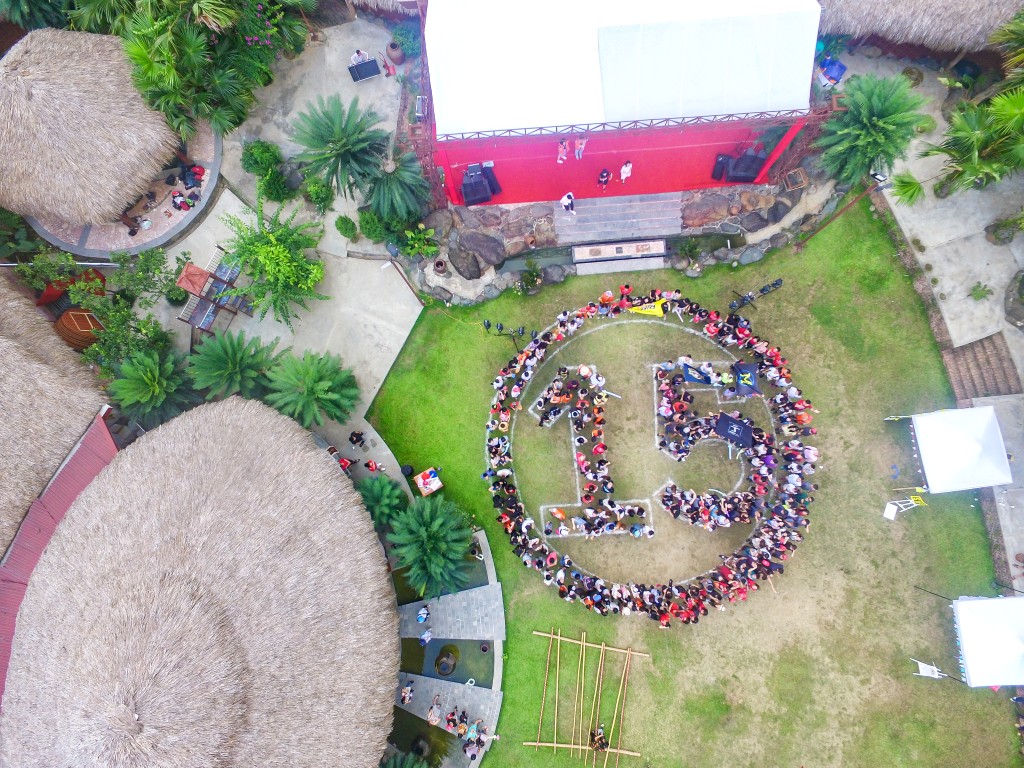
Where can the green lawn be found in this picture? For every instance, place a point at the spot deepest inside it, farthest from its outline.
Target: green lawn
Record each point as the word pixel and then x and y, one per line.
pixel 819 673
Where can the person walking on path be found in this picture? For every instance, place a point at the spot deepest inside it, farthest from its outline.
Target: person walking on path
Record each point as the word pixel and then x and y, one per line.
pixel 357 439
pixel 626 171
pixel 603 179
pixel 563 150
pixel 568 204
pixel 579 145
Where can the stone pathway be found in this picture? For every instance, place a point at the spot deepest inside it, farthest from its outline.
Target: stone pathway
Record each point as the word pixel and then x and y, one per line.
pixel 473 614
pixel 634 217
pixel 484 703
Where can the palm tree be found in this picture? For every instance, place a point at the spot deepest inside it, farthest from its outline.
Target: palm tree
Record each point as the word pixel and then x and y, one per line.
pixel 310 387
pixel 1009 39
pixel 35 14
pixel 873 131
pixel 400 191
pixel 383 497
pixel 404 760
pixel 227 364
pixel 432 540
pixel 150 387
pixel 970 148
pixel 342 146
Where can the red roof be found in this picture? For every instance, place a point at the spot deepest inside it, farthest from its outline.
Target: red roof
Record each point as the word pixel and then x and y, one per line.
pixel 93 452
pixel 193 279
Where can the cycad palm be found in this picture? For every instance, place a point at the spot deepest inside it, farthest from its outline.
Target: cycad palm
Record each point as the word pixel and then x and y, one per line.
pixel 383 498
pixel 400 191
pixel 227 364
pixel 151 388
pixel 404 760
pixel 35 14
pixel 311 387
pixel 432 541
pixel 873 131
pixel 1009 39
pixel 342 145
pixel 970 148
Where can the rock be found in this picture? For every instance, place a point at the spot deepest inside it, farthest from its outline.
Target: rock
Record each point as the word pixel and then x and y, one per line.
pixel 292 172
pixel 489 216
pixel 750 255
pixel 519 212
pixel 466 218
pixel 489 292
pixel 466 264
pixel 489 249
pixel 812 165
pixel 516 228
pixel 729 228
pixel 721 254
pixel 696 272
pixel 1000 232
pixel 706 210
pixel 441 293
pixel 685 197
pixel 441 222
pixel 540 210
pixel 734 210
pixel 755 201
pixel 553 274
pixel 778 211
pixel 792 196
pixel 842 189
pixel 779 240
pixel 830 207
pixel 544 231
pixel 515 247
pixel 709 230
pixel 753 221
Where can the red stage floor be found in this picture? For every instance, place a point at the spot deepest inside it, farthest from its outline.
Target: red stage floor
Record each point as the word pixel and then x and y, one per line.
pixel 664 160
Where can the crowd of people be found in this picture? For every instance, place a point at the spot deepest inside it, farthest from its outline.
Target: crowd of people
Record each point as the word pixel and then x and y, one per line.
pixel 775 502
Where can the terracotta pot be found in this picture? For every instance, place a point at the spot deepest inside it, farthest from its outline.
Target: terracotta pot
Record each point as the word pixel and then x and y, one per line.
pixel 395 53
pixel 440 267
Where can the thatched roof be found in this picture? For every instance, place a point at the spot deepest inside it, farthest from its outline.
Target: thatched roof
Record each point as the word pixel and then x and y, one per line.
pixel 48 400
pixel 216 597
pixel 76 140
pixel 944 25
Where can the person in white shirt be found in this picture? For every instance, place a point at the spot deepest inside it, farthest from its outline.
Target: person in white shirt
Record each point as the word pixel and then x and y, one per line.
pixel 359 57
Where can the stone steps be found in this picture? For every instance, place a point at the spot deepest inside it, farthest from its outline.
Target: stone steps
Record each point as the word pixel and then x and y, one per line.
pixel 620 265
pixel 473 614
pixel 611 219
pixel 982 369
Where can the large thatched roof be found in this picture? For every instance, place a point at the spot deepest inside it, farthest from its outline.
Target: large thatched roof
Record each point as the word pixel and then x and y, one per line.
pixel 216 597
pixel 944 25
pixel 76 140
pixel 48 400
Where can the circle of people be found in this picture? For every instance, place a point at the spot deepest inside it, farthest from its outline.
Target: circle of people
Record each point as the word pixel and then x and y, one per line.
pixel 775 501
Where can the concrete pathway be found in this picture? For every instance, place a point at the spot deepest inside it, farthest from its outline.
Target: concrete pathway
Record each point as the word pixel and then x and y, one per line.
pixel 473 614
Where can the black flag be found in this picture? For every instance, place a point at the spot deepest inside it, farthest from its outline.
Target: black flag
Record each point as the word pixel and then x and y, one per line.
pixel 746 379
pixel 695 375
pixel 734 430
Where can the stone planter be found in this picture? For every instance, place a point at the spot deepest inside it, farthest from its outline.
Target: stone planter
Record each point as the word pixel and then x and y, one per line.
pixel 395 53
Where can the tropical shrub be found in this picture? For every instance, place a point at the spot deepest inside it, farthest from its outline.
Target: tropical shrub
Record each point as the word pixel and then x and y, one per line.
pixel 875 129
pixel 226 364
pixel 404 760
pixel 407 35
pixel 432 540
pixel 259 157
pixel 35 14
pixel 384 498
pixel 319 193
pixel 274 186
pixel 347 228
pixel 273 254
pixel 176 296
pixel 150 388
pixel 420 241
pixel 311 387
pixel 371 226
pixel 399 190
pixel 342 146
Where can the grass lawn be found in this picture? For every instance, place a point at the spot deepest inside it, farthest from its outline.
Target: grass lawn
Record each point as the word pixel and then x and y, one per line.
pixel 818 674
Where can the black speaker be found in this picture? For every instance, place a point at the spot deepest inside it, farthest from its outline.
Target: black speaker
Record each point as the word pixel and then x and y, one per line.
pixel 475 190
pixel 745 168
pixel 492 180
pixel 721 166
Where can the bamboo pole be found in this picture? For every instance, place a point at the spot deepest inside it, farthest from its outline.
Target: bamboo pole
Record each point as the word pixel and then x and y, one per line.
pixel 576 690
pixel 573 746
pixel 615 712
pixel 597 693
pixel 544 695
pixel 597 701
pixel 583 690
pixel 622 712
pixel 558 657
pixel 595 645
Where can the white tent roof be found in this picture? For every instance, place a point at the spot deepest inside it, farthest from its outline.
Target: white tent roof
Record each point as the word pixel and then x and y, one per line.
pixel 991 633
pixel 536 63
pixel 961 449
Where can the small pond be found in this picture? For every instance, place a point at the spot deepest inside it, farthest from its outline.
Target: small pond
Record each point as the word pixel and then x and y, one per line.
pixel 470 662
pixel 409 729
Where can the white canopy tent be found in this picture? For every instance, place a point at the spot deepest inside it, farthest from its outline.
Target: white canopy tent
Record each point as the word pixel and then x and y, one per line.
pixel 535 63
pixel 961 449
pixel 991 635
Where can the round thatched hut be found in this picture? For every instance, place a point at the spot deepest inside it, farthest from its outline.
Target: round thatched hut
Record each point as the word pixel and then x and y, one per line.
pixel 938 24
pixel 77 142
pixel 216 597
pixel 49 398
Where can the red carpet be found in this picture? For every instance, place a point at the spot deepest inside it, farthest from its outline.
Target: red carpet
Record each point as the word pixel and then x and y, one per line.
pixel 664 160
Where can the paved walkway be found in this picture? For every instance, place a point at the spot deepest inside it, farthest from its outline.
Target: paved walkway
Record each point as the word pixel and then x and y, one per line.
pixel 473 614
pixel 478 702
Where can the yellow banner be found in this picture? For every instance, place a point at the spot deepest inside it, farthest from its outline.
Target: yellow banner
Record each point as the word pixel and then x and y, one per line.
pixel 656 309
pixel 918 500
